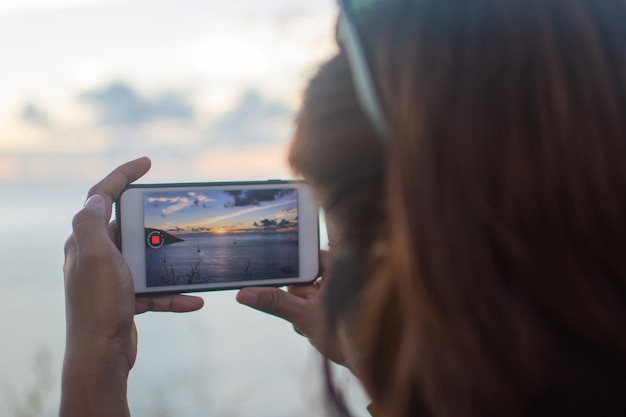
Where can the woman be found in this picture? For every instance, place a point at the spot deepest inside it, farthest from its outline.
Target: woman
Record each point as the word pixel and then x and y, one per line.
pixel 490 277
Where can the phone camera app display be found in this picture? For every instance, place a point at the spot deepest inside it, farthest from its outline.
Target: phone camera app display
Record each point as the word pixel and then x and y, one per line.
pixel 154 238
pixel 197 237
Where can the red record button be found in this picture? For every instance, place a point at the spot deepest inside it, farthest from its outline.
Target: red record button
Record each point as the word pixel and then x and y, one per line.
pixel 155 240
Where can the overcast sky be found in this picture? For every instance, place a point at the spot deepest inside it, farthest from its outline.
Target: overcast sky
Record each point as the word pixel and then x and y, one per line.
pixel 206 88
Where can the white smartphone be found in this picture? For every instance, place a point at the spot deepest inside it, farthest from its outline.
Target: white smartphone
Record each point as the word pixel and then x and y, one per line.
pixel 214 236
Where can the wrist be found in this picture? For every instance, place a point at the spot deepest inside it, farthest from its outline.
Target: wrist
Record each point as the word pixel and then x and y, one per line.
pixel 94 381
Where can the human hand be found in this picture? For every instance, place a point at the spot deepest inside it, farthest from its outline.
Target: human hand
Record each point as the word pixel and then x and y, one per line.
pixel 302 306
pixel 100 299
pixel 101 339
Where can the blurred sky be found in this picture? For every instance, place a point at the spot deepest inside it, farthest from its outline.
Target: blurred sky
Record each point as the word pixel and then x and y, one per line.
pixel 207 89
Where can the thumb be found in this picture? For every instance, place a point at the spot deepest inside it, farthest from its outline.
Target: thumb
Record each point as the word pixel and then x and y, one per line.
pixel 91 221
pixel 273 301
pixel 97 204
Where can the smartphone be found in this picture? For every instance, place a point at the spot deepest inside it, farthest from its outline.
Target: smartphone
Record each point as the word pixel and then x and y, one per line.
pixel 214 236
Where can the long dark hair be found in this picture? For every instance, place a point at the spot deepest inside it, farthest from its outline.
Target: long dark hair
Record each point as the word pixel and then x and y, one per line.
pixel 505 276
pixel 502 288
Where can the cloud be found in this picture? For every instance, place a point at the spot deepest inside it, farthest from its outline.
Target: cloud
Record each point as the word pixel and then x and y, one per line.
pixel 165 122
pixel 200 229
pixel 118 121
pixel 179 202
pixel 237 213
pixel 245 198
pixel 285 224
pixel 253 120
pixel 192 197
pixel 274 224
pixel 119 105
pixel 33 114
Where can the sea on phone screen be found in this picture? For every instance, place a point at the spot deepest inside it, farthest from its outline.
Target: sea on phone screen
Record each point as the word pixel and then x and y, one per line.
pixel 223 258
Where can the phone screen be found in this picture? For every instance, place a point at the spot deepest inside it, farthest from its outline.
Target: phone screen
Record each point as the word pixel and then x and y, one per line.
pixel 213 236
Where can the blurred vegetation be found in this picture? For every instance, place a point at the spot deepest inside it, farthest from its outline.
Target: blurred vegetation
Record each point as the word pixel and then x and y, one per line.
pixel 34 400
pixel 196 384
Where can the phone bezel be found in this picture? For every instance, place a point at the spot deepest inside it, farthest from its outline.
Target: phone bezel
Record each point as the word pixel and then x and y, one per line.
pixel 129 210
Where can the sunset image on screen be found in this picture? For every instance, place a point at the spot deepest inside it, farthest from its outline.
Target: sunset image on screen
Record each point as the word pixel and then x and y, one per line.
pixel 220 236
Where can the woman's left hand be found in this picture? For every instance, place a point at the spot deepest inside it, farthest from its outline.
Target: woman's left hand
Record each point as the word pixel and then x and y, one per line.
pixel 301 305
pixel 101 336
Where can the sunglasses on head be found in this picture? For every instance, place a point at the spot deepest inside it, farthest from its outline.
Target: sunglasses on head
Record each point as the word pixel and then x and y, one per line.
pixel 348 37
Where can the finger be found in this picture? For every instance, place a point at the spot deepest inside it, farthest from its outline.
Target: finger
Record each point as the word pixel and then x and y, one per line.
pixel 304 291
pixel 112 230
pixel 275 302
pixel 114 183
pixel 175 303
pixel 90 223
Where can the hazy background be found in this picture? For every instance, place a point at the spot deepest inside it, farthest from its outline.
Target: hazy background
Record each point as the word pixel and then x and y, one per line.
pixel 208 90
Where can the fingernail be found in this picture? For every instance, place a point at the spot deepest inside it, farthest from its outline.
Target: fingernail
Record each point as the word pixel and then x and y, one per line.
pixel 96 202
pixel 247 297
